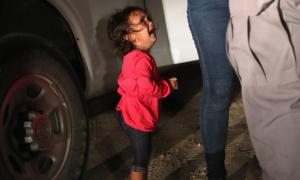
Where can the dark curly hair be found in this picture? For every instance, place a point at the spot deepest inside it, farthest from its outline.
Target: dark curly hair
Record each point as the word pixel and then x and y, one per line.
pixel 118 26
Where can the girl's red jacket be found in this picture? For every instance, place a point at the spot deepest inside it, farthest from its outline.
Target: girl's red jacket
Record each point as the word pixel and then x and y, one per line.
pixel 140 88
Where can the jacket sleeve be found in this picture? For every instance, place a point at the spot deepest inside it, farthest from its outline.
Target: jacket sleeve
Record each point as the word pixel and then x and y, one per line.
pixel 149 83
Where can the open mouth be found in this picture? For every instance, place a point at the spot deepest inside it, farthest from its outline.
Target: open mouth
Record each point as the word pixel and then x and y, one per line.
pixel 152 31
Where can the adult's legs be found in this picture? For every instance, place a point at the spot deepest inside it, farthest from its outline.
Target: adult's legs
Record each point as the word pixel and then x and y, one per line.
pixel 264 49
pixel 208 22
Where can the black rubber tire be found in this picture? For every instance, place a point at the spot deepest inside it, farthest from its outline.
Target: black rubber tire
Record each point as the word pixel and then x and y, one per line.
pixel 54 68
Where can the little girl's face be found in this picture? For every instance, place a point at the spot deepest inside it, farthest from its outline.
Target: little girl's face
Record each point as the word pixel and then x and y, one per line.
pixel 144 35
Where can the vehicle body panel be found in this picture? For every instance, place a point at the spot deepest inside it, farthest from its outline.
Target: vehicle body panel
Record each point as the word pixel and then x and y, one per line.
pixel 88 20
pixel 181 41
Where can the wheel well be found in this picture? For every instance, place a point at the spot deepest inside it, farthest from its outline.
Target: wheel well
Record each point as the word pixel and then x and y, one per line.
pixel 35 23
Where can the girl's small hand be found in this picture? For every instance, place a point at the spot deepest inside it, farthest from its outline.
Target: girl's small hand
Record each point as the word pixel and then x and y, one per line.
pixel 173 83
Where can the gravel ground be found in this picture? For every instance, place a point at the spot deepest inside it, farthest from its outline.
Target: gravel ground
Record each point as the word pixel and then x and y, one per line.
pixel 177 147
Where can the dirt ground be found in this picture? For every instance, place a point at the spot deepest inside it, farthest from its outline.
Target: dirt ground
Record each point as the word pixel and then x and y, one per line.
pixel 177 146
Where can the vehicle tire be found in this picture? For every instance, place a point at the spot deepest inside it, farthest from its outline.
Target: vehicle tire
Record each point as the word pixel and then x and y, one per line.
pixel 43 124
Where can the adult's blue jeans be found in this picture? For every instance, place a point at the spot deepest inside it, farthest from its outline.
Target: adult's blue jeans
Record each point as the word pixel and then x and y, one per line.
pixel 208 21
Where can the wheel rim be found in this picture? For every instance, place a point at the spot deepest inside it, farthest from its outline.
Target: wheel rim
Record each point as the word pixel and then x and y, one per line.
pixel 35 129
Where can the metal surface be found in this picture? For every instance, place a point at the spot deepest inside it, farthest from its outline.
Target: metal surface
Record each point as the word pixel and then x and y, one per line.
pixel 35 129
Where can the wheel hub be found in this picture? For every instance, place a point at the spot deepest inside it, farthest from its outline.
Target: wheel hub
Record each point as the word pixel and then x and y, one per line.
pixel 38 131
pixel 34 129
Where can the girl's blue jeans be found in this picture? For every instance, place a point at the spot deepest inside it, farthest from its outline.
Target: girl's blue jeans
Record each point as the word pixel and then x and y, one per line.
pixel 208 23
pixel 141 146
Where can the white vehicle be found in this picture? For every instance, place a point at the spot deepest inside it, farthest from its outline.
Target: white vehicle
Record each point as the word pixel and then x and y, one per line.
pixel 54 56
